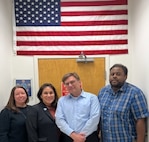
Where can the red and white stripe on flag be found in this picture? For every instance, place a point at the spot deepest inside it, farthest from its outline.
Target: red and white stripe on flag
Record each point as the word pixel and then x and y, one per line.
pixel 92 26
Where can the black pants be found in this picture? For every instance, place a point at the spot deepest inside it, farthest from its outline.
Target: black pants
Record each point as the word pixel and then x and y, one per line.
pixel 91 138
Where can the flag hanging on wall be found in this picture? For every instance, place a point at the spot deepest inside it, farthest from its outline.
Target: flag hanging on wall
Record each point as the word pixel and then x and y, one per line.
pixel 68 27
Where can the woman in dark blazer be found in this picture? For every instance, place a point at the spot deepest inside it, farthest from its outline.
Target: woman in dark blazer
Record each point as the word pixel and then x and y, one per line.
pixel 40 121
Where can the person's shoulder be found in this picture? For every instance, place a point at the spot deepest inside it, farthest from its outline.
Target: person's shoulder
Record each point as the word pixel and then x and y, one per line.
pixel 105 88
pixel 33 109
pixel 133 87
pixel 5 111
pixel 64 97
pixel 36 106
pixel 89 94
pixel 28 106
pixel 133 90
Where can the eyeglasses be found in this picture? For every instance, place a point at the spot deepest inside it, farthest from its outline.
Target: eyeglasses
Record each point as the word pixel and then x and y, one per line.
pixel 71 82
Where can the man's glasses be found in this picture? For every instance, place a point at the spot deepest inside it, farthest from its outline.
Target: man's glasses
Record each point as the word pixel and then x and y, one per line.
pixel 71 82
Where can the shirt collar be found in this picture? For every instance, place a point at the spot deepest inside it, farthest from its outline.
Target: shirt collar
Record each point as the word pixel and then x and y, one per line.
pixel 122 89
pixel 81 95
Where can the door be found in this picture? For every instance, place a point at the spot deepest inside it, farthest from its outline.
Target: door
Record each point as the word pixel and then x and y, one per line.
pixel 92 74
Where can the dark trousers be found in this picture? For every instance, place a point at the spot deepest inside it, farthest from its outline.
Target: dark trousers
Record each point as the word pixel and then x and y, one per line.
pixel 91 138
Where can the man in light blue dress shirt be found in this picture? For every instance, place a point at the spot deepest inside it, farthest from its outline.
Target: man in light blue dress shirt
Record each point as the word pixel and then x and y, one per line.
pixel 78 113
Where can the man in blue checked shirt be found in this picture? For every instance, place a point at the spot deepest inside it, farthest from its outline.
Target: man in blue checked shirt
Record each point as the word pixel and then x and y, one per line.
pixel 123 109
pixel 77 113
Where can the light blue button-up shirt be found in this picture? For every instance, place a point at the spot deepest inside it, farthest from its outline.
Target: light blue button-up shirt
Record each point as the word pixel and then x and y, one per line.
pixel 78 114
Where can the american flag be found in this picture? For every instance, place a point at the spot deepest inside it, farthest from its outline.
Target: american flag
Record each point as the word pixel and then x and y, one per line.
pixel 69 27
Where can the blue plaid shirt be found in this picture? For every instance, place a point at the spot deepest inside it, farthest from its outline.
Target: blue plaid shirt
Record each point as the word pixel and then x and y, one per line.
pixel 119 112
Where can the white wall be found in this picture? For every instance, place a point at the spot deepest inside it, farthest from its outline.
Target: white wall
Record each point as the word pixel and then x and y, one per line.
pixel 5 51
pixel 23 68
pixel 140 56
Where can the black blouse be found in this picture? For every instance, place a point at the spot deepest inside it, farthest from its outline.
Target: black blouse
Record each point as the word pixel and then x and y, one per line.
pixel 12 125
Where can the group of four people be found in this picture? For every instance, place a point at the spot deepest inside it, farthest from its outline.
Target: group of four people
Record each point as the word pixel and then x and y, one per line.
pixel 117 114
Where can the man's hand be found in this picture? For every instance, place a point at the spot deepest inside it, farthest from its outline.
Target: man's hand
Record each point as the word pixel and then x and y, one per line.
pixel 78 137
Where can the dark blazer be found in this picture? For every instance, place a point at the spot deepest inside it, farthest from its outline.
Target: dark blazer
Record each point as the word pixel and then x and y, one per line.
pixel 41 125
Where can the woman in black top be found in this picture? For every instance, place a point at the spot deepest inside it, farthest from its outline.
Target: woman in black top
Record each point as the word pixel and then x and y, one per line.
pixel 41 125
pixel 13 116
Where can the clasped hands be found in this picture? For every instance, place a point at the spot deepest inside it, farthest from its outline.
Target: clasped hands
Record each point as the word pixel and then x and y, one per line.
pixel 78 137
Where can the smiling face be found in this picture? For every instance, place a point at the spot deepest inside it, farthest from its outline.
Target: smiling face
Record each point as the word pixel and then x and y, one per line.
pixel 48 96
pixel 20 97
pixel 117 78
pixel 73 86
